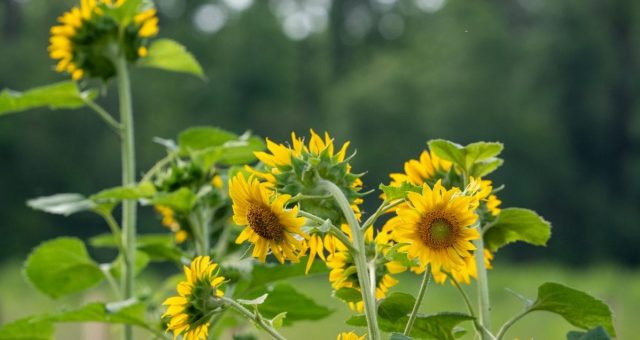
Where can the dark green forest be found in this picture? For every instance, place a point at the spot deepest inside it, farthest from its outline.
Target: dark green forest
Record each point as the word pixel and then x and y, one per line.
pixel 556 81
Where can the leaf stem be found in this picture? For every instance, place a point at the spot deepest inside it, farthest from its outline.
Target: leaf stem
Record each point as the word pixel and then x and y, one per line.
pixel 479 329
pixel 381 210
pixel 103 114
pixel 510 323
pixel 423 289
pixel 128 179
pixel 117 234
pixel 359 257
pixel 255 317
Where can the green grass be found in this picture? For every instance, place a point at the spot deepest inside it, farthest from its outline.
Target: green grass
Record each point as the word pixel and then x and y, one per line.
pixel 618 287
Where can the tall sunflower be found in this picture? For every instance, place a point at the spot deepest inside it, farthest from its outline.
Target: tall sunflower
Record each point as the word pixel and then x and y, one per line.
pixel 269 226
pixel 437 226
pixel 189 312
pixel 82 41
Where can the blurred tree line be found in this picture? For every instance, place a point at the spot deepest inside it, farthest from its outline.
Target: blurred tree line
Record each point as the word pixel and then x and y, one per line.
pixel 556 81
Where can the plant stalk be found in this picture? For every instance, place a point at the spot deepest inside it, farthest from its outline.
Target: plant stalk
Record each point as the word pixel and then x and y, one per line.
pixel 128 179
pixel 359 258
pixel 423 289
pixel 484 305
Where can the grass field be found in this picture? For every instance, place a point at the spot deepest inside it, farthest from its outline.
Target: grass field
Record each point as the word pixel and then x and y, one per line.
pixel 620 288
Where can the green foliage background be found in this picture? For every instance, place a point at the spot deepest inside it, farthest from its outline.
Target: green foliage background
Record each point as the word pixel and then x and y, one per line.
pixel 556 81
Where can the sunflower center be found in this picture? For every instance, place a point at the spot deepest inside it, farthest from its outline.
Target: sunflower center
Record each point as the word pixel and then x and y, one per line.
pixel 265 223
pixel 437 233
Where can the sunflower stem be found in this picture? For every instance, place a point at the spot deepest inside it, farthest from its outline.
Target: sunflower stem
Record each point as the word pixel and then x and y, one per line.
pixel 423 289
pixel 255 317
pixel 484 305
pixel 478 327
pixel 128 179
pixel 359 257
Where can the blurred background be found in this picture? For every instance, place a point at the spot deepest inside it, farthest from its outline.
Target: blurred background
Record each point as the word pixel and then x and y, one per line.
pixel 555 81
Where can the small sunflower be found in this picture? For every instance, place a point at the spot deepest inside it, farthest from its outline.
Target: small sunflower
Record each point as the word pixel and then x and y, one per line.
pixel 427 169
pixel 269 226
pixel 437 227
pixel 197 300
pixel 82 40
pixel 349 336
pixel 169 221
pixel 493 204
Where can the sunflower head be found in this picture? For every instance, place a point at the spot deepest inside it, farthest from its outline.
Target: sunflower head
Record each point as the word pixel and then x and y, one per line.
pixel 437 226
pixel 197 301
pixel 170 220
pixel 268 225
pixel 92 34
pixel 295 169
pixel 429 168
pixel 349 336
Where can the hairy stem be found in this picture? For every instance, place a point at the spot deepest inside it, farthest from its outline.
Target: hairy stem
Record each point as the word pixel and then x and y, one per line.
pixel 423 289
pixel 128 179
pixel 359 258
pixel 255 317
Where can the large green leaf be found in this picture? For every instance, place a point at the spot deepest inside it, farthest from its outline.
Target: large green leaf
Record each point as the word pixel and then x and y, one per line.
pixel 395 306
pixel 63 95
pixel 170 55
pixel 578 308
pixel 348 294
pixel 203 137
pixel 233 152
pixel 265 273
pixel 284 298
pixel 124 312
pixel 62 266
pixel 211 145
pixel 435 326
pixel 142 190
pixel 27 329
pixel 62 204
pixel 517 224
pixel 181 200
pixel 477 159
pixel 597 333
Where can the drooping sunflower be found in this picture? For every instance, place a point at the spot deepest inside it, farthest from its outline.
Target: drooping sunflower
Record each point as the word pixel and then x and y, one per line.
pixel 82 42
pixel 269 226
pixel 427 169
pixel 198 299
pixel 436 224
pixel 349 336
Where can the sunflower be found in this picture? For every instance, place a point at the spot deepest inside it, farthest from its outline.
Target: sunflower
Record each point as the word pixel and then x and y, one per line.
pixel 197 300
pixel 169 221
pixel 428 168
pixel 349 336
pixel 493 204
pixel 437 227
pixel 269 226
pixel 81 41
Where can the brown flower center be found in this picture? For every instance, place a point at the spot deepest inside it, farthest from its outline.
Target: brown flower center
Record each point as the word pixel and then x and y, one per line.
pixel 265 223
pixel 437 233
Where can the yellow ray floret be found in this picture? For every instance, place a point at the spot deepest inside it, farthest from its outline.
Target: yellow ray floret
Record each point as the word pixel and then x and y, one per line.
pixel 417 171
pixel 269 226
pixel 349 336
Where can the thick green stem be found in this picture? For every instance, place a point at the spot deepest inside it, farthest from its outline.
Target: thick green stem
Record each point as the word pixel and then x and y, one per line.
pixel 255 317
pixel 484 306
pixel 359 258
pixel 423 289
pixel 128 179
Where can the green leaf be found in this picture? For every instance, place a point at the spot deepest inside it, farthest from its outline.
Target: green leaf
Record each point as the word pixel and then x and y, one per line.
pixel 234 152
pixel 62 266
pixel 203 137
pixel 142 190
pixel 27 329
pixel 253 302
pixel 399 336
pixel 284 298
pixel 438 326
pixel 62 204
pixel 394 193
pixel 578 308
pixel 277 320
pixel 517 224
pixel 265 273
pixel 63 95
pixel 597 333
pixel 126 312
pixel 170 55
pixel 348 294
pixel 181 200
pixel 465 157
pixel 396 306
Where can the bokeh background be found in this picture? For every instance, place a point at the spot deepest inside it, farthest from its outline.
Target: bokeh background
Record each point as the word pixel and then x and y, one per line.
pixel 556 81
